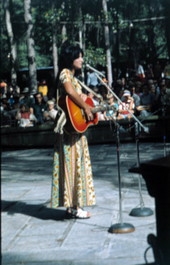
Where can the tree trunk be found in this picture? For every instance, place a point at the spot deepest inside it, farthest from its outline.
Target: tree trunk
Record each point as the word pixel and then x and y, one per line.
pixel 55 54
pixel 107 44
pixel 64 33
pixel 167 23
pixel 12 43
pixel 30 47
pixel 54 50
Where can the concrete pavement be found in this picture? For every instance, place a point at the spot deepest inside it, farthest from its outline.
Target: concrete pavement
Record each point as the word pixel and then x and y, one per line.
pixel 33 233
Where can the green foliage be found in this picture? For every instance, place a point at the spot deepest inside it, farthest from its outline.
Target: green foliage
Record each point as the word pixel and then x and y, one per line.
pixel 95 56
pixel 148 39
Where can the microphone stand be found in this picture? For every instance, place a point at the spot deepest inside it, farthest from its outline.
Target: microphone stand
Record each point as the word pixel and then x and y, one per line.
pixel 141 211
pixel 120 227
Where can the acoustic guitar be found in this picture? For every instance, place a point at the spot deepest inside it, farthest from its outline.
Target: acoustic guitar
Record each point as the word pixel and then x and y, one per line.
pixel 76 118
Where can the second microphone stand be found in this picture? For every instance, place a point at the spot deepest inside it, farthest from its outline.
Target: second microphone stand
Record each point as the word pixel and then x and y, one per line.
pixel 120 227
pixel 140 211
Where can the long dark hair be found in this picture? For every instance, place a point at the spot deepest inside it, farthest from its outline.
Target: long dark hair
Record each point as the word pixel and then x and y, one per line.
pixel 68 54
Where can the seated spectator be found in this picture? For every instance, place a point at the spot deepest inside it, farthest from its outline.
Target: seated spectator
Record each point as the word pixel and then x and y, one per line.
pixel 135 95
pixel 149 71
pixel 24 117
pixel 3 88
pixel 146 102
pixel 157 71
pixel 153 91
pixel 164 99
pixel 111 114
pixel 51 112
pixel 167 70
pixel 5 108
pixel 127 106
pixel 92 80
pixel 43 88
pixel 93 97
pixel 140 71
pixel 38 107
pixel 26 98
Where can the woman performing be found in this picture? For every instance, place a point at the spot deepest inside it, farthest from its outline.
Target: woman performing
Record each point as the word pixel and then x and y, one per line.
pixel 72 183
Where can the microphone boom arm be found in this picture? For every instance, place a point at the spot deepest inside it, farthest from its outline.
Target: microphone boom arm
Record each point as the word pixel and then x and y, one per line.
pixel 146 129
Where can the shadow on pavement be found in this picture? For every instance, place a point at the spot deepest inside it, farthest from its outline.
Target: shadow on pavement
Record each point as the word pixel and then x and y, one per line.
pixel 38 211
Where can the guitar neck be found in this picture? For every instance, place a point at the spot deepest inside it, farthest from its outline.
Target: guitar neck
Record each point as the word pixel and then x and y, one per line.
pixel 103 108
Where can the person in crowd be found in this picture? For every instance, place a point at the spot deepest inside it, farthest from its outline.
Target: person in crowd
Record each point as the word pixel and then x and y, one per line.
pixel 140 72
pixel 11 99
pixel 72 183
pixel 146 102
pixel 135 95
pixel 112 113
pixel 126 108
pixel 43 88
pixel 39 107
pixel 5 108
pixel 164 98
pixel 3 87
pixel 51 112
pixel 26 98
pixel 167 70
pixel 149 72
pixel 157 71
pixel 92 80
pixel 120 86
pixel 93 97
pixel 24 117
pixel 155 92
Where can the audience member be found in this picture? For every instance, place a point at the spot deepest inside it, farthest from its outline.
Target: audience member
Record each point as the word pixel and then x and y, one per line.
pixel 38 107
pixel 43 88
pixel 140 72
pixel 164 98
pixel 51 112
pixel 24 117
pixel 26 98
pixel 3 87
pixel 92 80
pixel 5 108
pixel 112 113
pixel 149 72
pixel 157 71
pixel 126 108
pixel 167 70
pixel 146 102
pixel 135 94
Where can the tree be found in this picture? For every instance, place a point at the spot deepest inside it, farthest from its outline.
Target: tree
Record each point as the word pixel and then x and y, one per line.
pixel 12 43
pixel 167 23
pixel 30 47
pixel 54 41
pixel 107 44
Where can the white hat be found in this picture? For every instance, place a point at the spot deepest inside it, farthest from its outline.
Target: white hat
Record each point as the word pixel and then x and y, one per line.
pixel 126 93
pixel 25 90
pixel 109 96
pixel 50 102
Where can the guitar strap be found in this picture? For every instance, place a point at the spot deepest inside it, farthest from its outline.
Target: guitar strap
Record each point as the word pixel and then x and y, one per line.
pixel 60 121
pixel 89 89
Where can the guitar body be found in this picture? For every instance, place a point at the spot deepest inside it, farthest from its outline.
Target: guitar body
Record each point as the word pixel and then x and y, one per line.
pixel 76 119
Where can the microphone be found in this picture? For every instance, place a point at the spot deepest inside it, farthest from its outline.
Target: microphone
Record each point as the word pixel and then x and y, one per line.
pixel 93 69
pixel 146 129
